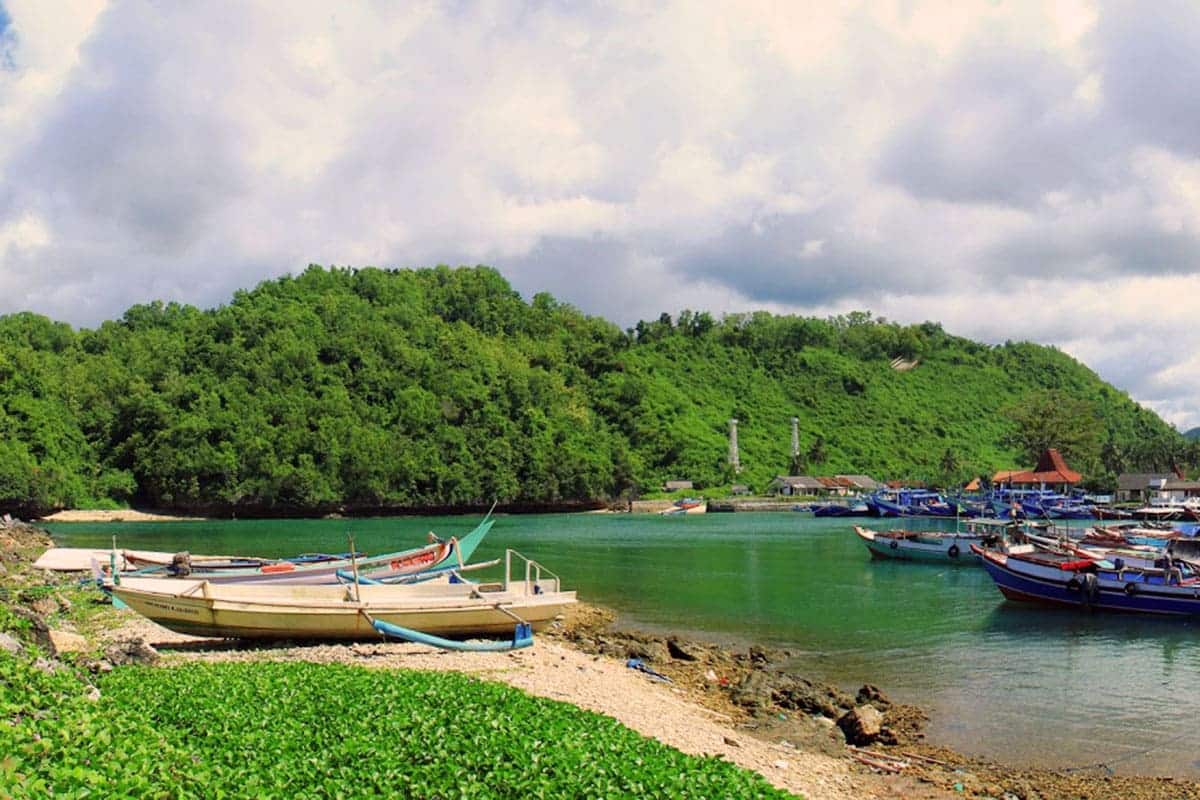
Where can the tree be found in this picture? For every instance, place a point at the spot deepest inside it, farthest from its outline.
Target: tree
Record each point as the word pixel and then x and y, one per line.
pixel 816 451
pixel 1053 418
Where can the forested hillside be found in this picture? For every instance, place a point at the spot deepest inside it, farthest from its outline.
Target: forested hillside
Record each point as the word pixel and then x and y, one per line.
pixel 373 389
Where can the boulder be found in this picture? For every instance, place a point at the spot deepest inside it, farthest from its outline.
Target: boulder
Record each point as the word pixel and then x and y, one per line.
pixel 861 725
pixel 653 651
pixel 799 694
pixel 131 651
pixel 62 642
pixel 753 692
pixel 682 651
pixel 10 645
pixel 873 695
pixel 45 606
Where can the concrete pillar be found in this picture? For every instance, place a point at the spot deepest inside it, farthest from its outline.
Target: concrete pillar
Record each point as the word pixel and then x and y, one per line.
pixel 734 461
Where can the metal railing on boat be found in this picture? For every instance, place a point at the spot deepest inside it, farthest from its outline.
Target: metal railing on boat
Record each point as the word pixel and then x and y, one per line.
pixel 533 573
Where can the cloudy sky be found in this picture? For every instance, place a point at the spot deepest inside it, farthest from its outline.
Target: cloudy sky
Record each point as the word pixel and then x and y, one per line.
pixel 1012 170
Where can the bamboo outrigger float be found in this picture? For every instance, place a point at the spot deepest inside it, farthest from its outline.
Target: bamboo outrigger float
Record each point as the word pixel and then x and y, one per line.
pixel 303 611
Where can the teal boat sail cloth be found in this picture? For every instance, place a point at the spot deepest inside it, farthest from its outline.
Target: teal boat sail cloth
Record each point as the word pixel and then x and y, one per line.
pixel 468 543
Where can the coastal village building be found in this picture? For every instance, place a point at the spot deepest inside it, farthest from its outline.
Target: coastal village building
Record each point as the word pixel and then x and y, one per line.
pixel 675 486
pixel 1176 490
pixel 1139 487
pixel 862 483
pixel 1051 472
pixel 840 485
pixel 795 484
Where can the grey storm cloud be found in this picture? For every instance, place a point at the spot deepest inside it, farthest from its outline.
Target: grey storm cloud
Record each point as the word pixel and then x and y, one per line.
pixel 802 260
pixel 1149 60
pixel 1003 127
pixel 1101 250
pixel 129 152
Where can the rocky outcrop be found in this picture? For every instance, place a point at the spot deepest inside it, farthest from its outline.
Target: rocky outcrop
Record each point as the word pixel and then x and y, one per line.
pixel 63 642
pixel 131 651
pixel 861 725
pixel 756 682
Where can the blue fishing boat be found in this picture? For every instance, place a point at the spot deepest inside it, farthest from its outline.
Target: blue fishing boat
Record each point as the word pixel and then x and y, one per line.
pixel 1067 579
pixel 914 503
pixel 847 509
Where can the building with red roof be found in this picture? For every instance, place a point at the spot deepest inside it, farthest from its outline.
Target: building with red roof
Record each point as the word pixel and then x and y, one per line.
pixel 1051 472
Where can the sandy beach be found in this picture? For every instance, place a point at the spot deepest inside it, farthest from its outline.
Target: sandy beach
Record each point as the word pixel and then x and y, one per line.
pixel 115 515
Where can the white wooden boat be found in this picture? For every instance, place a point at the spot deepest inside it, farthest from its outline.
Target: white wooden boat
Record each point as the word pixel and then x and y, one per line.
pixel 79 559
pixel 940 546
pixel 305 611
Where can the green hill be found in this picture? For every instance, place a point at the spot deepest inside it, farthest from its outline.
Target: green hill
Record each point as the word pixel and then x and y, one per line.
pixel 383 389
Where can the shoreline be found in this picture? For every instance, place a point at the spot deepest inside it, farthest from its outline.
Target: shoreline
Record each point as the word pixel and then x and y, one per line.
pixel 117 515
pixel 725 701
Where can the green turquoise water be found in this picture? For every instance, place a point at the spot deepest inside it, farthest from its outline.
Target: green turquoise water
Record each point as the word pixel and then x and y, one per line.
pixel 1027 684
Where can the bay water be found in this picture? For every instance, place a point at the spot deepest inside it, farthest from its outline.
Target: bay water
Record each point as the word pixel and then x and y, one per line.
pixel 1025 684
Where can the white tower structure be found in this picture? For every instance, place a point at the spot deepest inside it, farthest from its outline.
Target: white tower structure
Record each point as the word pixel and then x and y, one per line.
pixel 734 461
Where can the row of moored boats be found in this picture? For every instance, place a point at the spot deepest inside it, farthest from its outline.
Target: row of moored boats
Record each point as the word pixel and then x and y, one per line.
pixel 1120 567
pixel 425 594
pixel 1002 503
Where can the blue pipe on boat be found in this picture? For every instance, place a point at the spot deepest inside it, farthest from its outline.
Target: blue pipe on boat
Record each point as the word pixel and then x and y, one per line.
pixel 346 576
pixel 522 637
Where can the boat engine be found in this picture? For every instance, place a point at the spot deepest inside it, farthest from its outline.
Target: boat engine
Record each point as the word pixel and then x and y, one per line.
pixel 181 564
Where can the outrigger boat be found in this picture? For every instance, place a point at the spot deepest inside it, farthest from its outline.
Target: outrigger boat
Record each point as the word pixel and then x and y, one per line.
pixel 449 552
pixel 299 611
pixel 148 560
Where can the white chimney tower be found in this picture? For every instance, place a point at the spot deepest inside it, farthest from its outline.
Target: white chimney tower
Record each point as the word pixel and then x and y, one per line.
pixel 734 461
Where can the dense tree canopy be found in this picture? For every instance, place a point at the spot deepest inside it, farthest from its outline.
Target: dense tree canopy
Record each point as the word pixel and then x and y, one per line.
pixel 374 389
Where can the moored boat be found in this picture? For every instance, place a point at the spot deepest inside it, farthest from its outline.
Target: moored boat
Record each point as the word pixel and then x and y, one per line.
pixel 1066 579
pixel 940 546
pixel 319 612
pixel 688 505
pixel 446 552
pixel 847 509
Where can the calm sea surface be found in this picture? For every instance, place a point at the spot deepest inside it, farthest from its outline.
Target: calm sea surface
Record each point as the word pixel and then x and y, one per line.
pixel 1026 684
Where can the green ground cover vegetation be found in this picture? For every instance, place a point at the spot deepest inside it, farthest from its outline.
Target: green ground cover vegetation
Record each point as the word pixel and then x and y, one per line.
pixel 378 389
pixel 307 730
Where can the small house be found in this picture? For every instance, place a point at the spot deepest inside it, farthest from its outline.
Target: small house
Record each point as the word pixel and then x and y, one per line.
pixel 789 485
pixel 1176 490
pixel 839 486
pixel 1139 487
pixel 678 486
pixel 861 483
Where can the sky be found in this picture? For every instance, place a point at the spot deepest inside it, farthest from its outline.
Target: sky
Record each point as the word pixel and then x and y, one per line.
pixel 1015 171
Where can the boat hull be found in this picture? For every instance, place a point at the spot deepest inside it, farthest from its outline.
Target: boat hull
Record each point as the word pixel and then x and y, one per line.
pixel 1026 582
pixel 949 549
pixel 381 567
pixel 300 612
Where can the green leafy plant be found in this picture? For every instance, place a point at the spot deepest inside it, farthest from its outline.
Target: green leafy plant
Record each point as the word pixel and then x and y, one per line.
pixel 305 730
